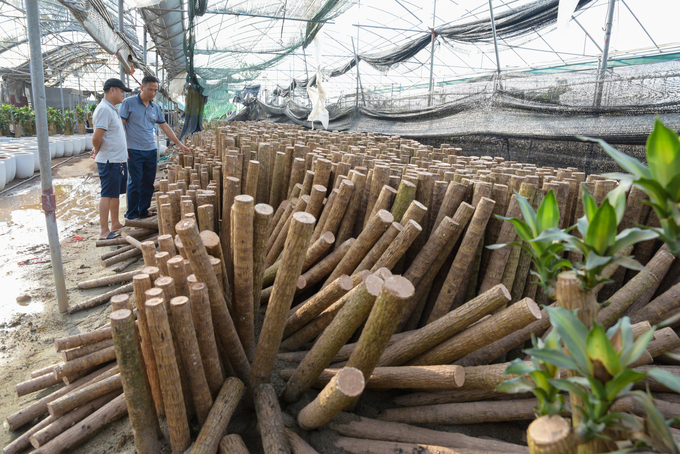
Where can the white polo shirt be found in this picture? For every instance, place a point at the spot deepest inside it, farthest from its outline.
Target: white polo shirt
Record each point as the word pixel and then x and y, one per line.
pixel 114 143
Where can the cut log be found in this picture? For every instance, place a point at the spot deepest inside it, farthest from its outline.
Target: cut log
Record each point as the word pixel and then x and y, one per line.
pixel 69 355
pixel 108 280
pixel 361 446
pixel 270 420
pixel 242 212
pixel 219 417
pixel 298 445
pixel 100 299
pixel 84 363
pixel 74 399
pixel 232 444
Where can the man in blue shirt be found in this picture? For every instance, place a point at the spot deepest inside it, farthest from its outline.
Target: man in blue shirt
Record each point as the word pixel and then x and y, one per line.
pixel 140 114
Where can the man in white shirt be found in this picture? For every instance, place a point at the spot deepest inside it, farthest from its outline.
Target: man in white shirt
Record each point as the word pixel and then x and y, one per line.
pixel 109 150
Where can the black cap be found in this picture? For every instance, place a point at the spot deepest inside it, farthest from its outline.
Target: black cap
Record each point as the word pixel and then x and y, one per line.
pixel 115 83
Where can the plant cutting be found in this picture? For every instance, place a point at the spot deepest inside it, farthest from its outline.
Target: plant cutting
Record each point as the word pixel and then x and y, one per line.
pixel 660 181
pixel 599 364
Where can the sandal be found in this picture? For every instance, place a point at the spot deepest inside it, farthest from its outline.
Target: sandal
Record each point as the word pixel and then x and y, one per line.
pixel 110 236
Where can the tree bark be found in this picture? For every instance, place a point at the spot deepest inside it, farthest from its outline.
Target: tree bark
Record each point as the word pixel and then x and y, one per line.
pixel 219 417
pixel 270 420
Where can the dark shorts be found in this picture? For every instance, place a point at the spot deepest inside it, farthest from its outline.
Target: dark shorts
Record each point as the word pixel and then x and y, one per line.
pixel 113 177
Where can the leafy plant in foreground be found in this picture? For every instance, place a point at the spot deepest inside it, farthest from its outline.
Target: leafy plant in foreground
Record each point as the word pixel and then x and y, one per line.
pixel 660 181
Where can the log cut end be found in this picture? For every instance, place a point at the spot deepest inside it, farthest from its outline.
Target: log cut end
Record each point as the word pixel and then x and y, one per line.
pixel 350 381
pixel 264 210
pixel 383 273
pixel 533 307
pixel 152 303
pixel 402 288
pixel 373 284
pixel 304 218
pixel 328 238
pixel 243 200
pixel 548 430
pixel 154 293
pixel 121 301
pixel 164 281
pixel 210 239
pixel 185 225
pixel 386 216
pixel 301 283
pixel 345 282
pixel 504 291
pixel 179 301
pixel 120 315
pixel 177 260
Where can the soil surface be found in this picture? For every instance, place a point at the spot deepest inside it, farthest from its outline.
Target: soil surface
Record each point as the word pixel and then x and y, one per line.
pixel 27 331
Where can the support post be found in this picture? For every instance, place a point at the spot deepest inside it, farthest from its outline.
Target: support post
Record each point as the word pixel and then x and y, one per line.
pixel 602 69
pixel 49 200
pixel 495 41
pixel 121 27
pixel 433 35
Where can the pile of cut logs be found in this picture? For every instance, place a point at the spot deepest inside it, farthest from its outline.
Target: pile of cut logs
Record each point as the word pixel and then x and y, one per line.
pixel 363 259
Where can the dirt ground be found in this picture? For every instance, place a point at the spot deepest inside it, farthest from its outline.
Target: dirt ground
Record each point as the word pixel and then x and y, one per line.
pixel 27 332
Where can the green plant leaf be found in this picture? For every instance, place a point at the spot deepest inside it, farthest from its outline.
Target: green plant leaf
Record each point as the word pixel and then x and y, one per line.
pixel 629 237
pixel 496 246
pixel 522 229
pixel 594 261
pixel 600 348
pixel 548 214
pixel 555 357
pixel 589 205
pixel 528 214
pixel 617 199
pixel 673 188
pixel 550 235
pixel 602 230
pixel 628 262
pixel 663 153
pixel 515 386
pixel 668 379
pixel 628 163
pixel 573 334
pixel 569 386
pixel 655 191
pixel 630 353
pixel 625 379
pixel 518 367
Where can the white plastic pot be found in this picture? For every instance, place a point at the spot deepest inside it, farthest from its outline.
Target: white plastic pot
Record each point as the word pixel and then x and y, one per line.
pixel 68 147
pixel 88 143
pixel 10 166
pixel 83 143
pixel 3 176
pixel 58 148
pixel 36 156
pixel 25 164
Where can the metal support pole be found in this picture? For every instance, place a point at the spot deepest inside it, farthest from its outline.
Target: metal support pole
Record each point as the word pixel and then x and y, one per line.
pixel 49 200
pixel 605 54
pixel 61 90
pixel 356 59
pixel 433 37
pixel 495 41
pixel 158 138
pixel 145 44
pixel 121 27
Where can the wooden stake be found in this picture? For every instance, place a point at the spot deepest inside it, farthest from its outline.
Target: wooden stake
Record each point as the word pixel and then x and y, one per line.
pixel 282 296
pixel 379 247
pixel 84 363
pixel 189 354
pixel 205 336
pixel 251 180
pixel 351 213
pixel 219 417
pixel 262 225
pixel 168 374
pixel 396 250
pixel 405 195
pixel 340 391
pixel 222 322
pixel 166 244
pixel 108 280
pixel 141 411
pixel 551 435
pixel 243 306
pixel 270 420
pixel 326 265
pixel 232 444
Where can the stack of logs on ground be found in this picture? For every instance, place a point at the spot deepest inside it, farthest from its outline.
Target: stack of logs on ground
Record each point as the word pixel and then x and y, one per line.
pixel 363 259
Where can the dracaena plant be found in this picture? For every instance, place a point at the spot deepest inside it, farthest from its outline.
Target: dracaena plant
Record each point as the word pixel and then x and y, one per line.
pixel 535 378
pixel 660 181
pixel 599 243
pixel 538 229
pixel 602 359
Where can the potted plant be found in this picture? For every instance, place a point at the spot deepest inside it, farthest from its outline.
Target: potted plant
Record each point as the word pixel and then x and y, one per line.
pixel 81 114
pixel 69 122
pixel 52 120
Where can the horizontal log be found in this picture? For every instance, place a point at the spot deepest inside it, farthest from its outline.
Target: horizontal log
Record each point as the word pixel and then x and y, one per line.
pixel 81 396
pixel 77 340
pixel 70 355
pixel 108 280
pixel 100 299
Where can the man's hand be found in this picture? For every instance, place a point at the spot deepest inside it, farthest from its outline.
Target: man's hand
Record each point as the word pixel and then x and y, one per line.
pixel 93 153
pixel 184 148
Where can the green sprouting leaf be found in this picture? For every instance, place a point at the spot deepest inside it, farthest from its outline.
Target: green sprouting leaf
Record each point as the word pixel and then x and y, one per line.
pixel 668 379
pixel 663 153
pixel 522 229
pixel 548 214
pixel 515 386
pixel 599 392
pixel 623 381
pixel 569 386
pixel 496 246
pixel 629 237
pixel 573 334
pixel 551 234
pixel 600 348
pixel 619 176
pixel 617 199
pixel 602 230
pixel 589 205
pixel 673 188
pixel 593 261
pixel 630 353
pixel 518 367
pixel 555 357
pixel 628 262
pixel 659 433
pixel 628 163
pixel 657 194
pixel 528 213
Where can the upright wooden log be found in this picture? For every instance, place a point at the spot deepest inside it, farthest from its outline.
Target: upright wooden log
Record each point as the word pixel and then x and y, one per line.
pixel 206 217
pixel 453 286
pixel 551 435
pixel 205 336
pixel 251 179
pixel 322 269
pixel 350 218
pixel 276 190
pixel 166 244
pixel 346 385
pixel 297 243
pixel 375 227
pixel 149 253
pixel 357 306
pixel 454 196
pixel 332 222
pixel 379 247
pixel 264 178
pixel 219 417
pixel 405 195
pixel 141 410
pixel 168 374
pixel 483 333
pixel 222 322
pixel 384 200
pixel 262 225
pixel 232 188
pixel 278 246
pixel 189 354
pixel 270 420
pixel 396 250
pixel 242 238
pixel 232 444
pixel 177 271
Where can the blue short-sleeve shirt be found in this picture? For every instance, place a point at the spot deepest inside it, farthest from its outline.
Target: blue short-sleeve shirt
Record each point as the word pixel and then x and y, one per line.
pixel 139 122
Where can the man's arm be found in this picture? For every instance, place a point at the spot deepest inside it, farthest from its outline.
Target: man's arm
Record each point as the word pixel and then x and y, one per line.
pixel 97 141
pixel 171 135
